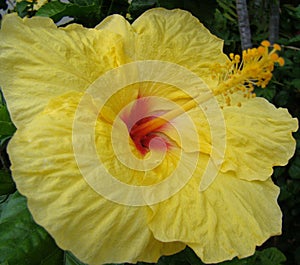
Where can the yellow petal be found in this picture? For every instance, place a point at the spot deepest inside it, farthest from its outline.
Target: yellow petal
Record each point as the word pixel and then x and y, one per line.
pixel 95 229
pixel 119 25
pixel 178 37
pixel 40 61
pixel 169 35
pixel 240 215
pixel 259 136
pixel 228 219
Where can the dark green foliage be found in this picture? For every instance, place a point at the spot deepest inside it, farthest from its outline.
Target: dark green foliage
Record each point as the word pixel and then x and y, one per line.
pixel 269 256
pixel 7 185
pixel 225 18
pixel 204 10
pixel 23 242
pixel 3 5
pixel 6 126
pixel 57 10
pixel 70 259
pixel 137 7
pixel 7 129
pixel 24 8
pixel 86 12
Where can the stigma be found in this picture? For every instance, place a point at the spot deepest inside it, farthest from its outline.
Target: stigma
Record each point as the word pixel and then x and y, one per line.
pixel 147 134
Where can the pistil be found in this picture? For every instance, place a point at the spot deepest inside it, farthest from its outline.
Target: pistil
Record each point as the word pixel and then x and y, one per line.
pixel 150 127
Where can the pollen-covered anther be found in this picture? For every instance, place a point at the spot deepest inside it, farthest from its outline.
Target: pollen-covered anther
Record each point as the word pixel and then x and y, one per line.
pixel 265 43
pixel 254 69
pixel 274 57
pixel 277 47
pixel 280 61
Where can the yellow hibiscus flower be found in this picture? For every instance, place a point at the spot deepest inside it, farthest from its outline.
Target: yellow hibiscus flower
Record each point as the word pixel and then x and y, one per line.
pixel 135 141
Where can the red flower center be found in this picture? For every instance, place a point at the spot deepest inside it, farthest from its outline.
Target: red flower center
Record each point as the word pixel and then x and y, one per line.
pixel 148 130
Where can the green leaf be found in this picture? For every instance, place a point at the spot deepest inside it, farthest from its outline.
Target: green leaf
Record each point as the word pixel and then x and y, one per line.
pixel 70 259
pixel 269 256
pixel 55 258
pixel 137 7
pixel 4 139
pixel 22 8
pixel 296 83
pixel 7 185
pixel 294 40
pixel 297 13
pixel 204 10
pixel 282 98
pixel 52 9
pixel 229 9
pixel 57 10
pixel 294 170
pixel 22 241
pixel 268 92
pixel 3 200
pixel 7 128
pixel 170 4
pixel 4 114
pixel 83 2
pixel 192 258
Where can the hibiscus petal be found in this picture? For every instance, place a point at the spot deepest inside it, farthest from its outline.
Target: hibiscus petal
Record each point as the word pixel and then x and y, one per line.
pixel 259 136
pixel 95 229
pixel 40 61
pixel 175 36
pixel 119 25
pixel 240 215
pixel 228 219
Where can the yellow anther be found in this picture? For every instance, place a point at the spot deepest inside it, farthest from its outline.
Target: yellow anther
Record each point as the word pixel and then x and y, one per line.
pixel 265 43
pixel 261 50
pixel 274 57
pixel 280 61
pixel 239 104
pixel 231 56
pixel 237 58
pixel 277 47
